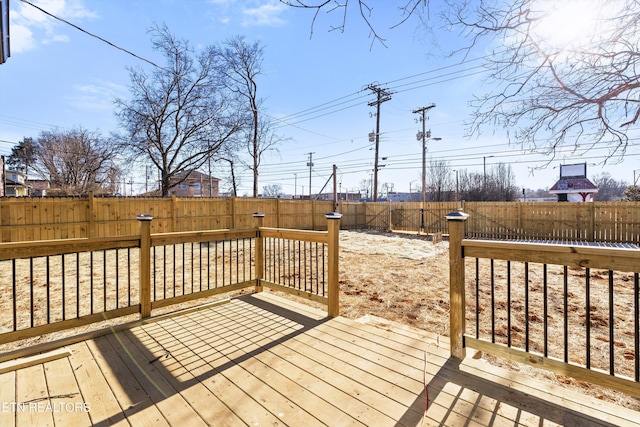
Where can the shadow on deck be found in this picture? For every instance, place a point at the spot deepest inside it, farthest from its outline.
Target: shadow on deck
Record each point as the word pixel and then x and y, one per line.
pixel 263 360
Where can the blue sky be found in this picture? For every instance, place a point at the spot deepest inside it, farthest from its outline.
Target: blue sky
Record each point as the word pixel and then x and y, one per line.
pixel 313 87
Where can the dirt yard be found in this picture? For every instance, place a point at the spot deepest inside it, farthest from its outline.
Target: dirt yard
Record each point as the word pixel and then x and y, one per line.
pixel 400 277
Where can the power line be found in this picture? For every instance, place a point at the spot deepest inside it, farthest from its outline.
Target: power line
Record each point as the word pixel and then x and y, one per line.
pixel 94 35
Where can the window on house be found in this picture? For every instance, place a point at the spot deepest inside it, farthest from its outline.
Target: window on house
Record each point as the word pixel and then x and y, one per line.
pixel 183 186
pixel 196 186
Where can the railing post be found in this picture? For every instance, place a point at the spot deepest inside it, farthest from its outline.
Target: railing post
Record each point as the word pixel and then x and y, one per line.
pixel 259 255
pixel 145 264
pixel 333 307
pixel 456 221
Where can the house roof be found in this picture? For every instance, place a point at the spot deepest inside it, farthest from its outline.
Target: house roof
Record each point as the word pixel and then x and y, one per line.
pixel 573 185
pixel 192 175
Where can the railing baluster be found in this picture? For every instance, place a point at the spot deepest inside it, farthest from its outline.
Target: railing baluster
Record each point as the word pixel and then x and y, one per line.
pixel 117 278
pixel 509 303
pixel 91 279
pixel 611 324
pixel 636 324
pixel 48 276
pixel 62 274
pixel 526 306
pixel 104 280
pixel 587 316
pixel 78 285
pixel 223 263
pixel 566 312
pixel 192 261
pixel 154 282
pixel 31 287
pixel 493 303
pixel 545 302
pixel 128 277
pixel 208 265
pixel 164 271
pixel 15 294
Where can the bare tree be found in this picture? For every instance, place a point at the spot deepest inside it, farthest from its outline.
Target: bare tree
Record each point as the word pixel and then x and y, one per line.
pixel 365 8
pixel 75 161
pixel 439 183
pixel 501 184
pixel 609 190
pixel 580 90
pixel 272 190
pixel 178 117
pixel 241 64
pixel 497 185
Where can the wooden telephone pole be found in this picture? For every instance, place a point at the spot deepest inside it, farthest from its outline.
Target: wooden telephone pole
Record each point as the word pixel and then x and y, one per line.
pixel 383 95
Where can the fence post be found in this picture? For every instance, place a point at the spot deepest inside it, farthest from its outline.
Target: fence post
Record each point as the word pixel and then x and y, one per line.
pixel 333 230
pixel 91 232
pixel 174 213
pixel 259 256
pixel 456 221
pixel 145 264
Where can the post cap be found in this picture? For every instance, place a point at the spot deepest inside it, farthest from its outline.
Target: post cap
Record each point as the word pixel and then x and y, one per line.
pixel 333 215
pixel 144 217
pixel 456 216
pixel 258 214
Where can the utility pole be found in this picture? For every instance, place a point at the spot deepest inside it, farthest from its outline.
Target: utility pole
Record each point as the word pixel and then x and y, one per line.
pixel 310 164
pixel 382 95
pixel 424 135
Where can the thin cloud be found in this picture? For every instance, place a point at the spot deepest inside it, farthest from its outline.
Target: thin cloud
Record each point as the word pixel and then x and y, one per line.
pixel 29 26
pixel 96 97
pixel 267 14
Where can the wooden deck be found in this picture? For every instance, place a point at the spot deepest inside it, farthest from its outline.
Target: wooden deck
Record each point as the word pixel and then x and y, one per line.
pixel 262 360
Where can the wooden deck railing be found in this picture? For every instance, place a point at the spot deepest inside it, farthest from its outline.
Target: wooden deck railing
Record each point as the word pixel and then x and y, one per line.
pixel 48 286
pixel 572 309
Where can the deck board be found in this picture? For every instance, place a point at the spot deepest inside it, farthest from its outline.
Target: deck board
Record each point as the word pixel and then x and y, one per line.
pixel 104 407
pixel 30 391
pixel 7 396
pixel 124 385
pixel 64 393
pixel 263 360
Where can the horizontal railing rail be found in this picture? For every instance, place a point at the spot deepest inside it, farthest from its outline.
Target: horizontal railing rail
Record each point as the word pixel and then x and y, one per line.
pixel 49 286
pixel 571 309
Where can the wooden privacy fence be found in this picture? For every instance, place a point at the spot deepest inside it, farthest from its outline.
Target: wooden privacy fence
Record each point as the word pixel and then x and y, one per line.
pixel 26 219
pixel 48 286
pixel 617 222
pixel 571 309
